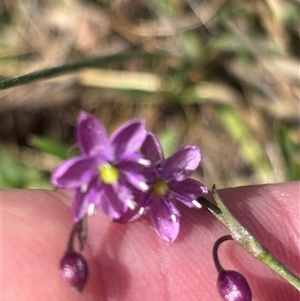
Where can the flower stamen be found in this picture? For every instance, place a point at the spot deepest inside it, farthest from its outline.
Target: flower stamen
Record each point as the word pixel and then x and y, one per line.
pixel 143 186
pixel 84 187
pixel 131 204
pixel 144 162
pixel 174 218
pixel 142 210
pixel 91 209
pixel 196 204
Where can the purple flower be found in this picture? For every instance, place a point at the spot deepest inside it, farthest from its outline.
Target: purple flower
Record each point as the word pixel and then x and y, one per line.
pixel 106 171
pixel 168 181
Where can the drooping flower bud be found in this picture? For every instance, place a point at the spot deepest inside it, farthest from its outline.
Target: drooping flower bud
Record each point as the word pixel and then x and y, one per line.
pixel 74 270
pixel 233 286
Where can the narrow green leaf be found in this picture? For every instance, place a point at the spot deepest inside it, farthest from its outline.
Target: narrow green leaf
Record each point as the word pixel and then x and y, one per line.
pixel 50 146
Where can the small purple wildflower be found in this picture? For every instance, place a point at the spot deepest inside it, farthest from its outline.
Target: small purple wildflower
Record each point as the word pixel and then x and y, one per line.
pixel 168 181
pixel 106 171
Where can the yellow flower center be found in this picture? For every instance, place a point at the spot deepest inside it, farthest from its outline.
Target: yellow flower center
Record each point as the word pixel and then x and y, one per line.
pixel 108 173
pixel 160 188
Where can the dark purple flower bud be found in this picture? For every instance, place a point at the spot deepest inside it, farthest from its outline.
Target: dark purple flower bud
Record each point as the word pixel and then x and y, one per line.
pixel 233 286
pixel 74 270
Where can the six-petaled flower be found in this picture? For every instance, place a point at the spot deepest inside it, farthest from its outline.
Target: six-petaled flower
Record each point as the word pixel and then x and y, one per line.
pixel 169 182
pixel 107 169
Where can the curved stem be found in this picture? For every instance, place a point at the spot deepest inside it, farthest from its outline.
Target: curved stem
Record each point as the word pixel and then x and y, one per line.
pixel 215 251
pixel 75 66
pixel 82 229
pixel 70 245
pixel 247 240
pixel 79 229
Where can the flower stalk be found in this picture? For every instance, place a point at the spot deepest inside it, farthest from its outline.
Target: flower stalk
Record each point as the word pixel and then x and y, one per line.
pixel 218 265
pixel 246 239
pixel 232 285
pixel 76 66
pixel 73 265
pixel 80 230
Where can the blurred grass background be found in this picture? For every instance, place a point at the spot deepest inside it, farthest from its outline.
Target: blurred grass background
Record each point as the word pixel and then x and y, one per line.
pixel 223 75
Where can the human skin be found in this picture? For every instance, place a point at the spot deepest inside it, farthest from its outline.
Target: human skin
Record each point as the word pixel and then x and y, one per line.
pixel 129 262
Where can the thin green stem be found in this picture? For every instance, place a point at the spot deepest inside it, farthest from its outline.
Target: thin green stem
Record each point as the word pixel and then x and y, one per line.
pixel 75 66
pixel 247 240
pixel 280 269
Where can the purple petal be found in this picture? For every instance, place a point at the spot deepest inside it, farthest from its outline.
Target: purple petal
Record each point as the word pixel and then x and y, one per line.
pixel 152 149
pixel 165 219
pixel 124 194
pixel 129 216
pixel 110 203
pixel 129 158
pixel 128 138
pixel 83 199
pixel 133 173
pixel 73 172
pixel 79 206
pixel 143 200
pixel 181 164
pixel 91 135
pixel 187 190
pixel 136 179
